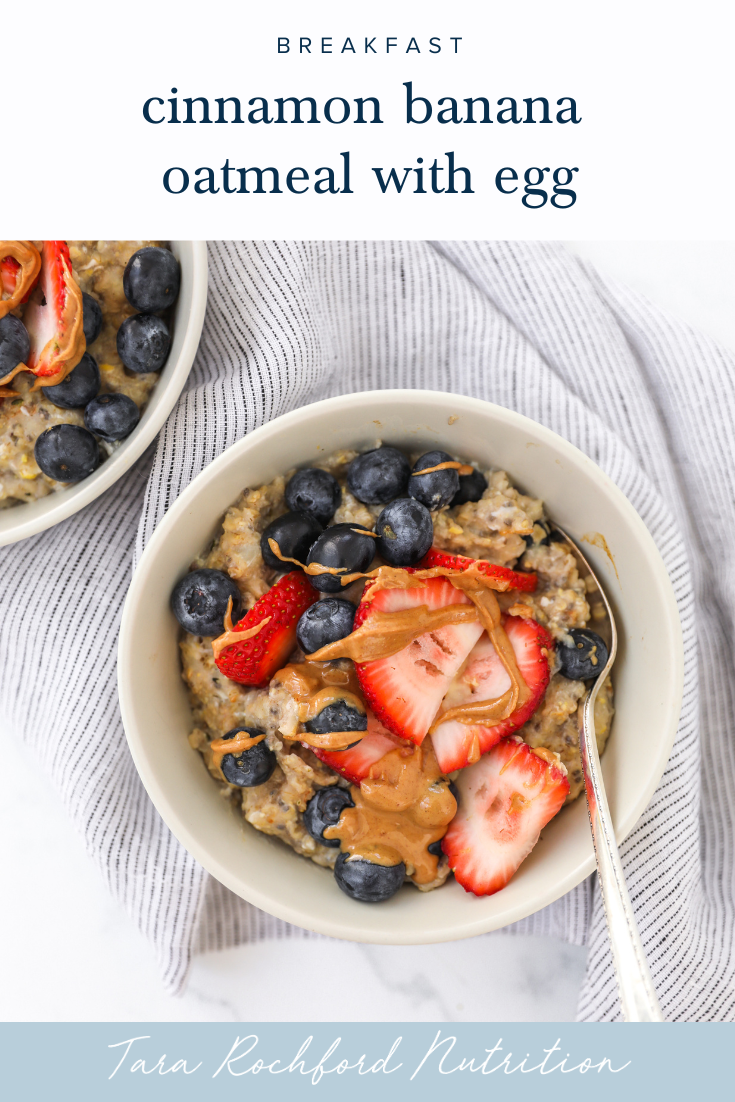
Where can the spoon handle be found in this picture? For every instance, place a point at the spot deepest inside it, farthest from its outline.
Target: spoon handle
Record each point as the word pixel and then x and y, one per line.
pixel 637 993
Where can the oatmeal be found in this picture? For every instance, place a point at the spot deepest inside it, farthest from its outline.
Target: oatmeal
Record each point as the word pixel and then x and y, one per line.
pixel 369 661
pixel 94 275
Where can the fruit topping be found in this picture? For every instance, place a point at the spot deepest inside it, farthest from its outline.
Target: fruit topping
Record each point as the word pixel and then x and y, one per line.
pixel 267 632
pixel 436 488
pixel 471 488
pixel 366 882
pixel 347 549
pixel 324 623
pixel 405 532
pixel 378 476
pixel 337 716
pixel 20 264
pixel 151 279
pixel 295 534
pixel 91 318
pixel 200 601
pixel 112 416
pixel 506 798
pixel 354 762
pixel 485 678
pixel 79 387
pixel 250 767
pixel 314 492
pixel 405 690
pixel 586 659
pixel 143 342
pixel 53 318
pixel 506 578
pixel 67 453
pixel 323 810
pixel 15 345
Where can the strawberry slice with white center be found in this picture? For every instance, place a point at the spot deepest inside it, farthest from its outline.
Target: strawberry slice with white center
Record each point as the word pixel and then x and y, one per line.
pixel 405 690
pixel 484 677
pixel 505 800
pixel 354 763
pixel 53 318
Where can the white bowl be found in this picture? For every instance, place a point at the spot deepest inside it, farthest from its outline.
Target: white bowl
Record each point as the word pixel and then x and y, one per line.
pixel 26 519
pixel 648 672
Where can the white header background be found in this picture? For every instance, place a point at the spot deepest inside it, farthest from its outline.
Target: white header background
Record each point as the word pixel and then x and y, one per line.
pixel 652 80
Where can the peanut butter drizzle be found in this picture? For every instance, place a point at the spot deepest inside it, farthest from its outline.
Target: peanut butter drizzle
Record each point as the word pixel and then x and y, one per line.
pixel 401 807
pixel 387 633
pixel 370 642
pixel 314 685
pixel 29 258
pixel 230 636
pixel 488 712
pixel 315 568
pixel 460 468
pixel 237 745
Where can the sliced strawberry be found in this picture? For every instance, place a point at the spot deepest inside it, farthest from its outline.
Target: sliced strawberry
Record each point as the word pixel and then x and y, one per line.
pixel 254 661
pixel 512 579
pixel 355 763
pixel 406 690
pixel 53 318
pixel 505 800
pixel 484 677
pixel 20 264
pixel 9 268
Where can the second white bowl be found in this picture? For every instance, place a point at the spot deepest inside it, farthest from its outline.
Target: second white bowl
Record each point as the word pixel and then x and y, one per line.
pixel 27 518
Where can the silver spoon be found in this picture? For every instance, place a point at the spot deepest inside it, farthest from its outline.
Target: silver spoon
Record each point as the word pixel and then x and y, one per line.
pixel 637 993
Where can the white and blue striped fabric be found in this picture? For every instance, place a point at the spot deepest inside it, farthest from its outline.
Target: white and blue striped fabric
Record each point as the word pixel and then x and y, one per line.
pixel 525 325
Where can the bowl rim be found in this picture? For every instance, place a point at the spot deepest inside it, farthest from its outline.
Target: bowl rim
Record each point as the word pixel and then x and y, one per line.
pixel 68 502
pixel 259 897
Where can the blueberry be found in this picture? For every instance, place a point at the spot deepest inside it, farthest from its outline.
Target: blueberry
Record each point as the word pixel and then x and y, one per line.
pixel 323 810
pixel 151 279
pixel 314 492
pixel 377 476
pixel 79 387
pixel 406 532
pixel 199 601
pixel 366 882
pixel 438 488
pixel 67 453
pixel 435 848
pixel 338 716
pixel 91 318
pixel 471 488
pixel 15 344
pixel 112 416
pixel 345 547
pixel 252 767
pixel 586 659
pixel 143 342
pixel 324 623
pixel 295 534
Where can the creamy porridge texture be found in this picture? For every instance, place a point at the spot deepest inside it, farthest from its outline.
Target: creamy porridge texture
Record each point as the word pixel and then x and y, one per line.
pixel 343 772
pixel 95 275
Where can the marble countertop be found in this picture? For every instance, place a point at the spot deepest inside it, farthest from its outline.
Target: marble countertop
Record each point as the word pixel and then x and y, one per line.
pixel 96 967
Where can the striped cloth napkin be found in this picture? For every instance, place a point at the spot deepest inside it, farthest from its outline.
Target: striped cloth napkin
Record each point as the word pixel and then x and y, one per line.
pixel 522 324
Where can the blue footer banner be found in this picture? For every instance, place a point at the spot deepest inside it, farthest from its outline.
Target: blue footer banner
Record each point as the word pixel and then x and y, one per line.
pixel 353 1061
